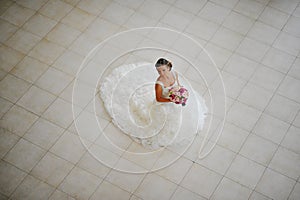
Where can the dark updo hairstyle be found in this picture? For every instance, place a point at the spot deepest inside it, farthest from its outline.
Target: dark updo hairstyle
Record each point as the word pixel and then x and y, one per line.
pixel 163 61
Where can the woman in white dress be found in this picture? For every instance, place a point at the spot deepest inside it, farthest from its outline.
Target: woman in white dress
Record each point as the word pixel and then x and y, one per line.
pixel 146 114
pixel 165 81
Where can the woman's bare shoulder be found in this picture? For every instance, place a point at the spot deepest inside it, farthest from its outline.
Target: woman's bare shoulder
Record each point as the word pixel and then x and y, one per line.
pixel 159 79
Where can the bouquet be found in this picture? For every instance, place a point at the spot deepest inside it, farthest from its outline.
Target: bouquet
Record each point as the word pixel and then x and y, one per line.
pixel 178 95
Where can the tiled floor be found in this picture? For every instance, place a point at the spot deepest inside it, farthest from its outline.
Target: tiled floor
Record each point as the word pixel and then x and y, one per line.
pixel 256 46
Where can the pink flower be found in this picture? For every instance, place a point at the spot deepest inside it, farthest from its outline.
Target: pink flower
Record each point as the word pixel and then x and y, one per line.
pixel 178 95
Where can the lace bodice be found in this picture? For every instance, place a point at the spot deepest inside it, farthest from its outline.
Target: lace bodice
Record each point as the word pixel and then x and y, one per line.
pixel 165 90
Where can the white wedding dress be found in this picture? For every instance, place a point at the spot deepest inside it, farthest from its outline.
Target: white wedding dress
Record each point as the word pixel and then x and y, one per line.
pixel 128 94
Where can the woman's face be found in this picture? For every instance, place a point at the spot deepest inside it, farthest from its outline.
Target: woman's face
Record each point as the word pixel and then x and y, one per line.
pixel 163 70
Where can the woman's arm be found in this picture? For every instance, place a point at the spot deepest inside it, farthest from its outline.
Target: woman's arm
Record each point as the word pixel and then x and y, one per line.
pixel 158 93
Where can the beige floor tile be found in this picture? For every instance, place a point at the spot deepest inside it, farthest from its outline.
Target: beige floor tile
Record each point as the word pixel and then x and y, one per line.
pixel 92 6
pixel 249 8
pixel 126 181
pixel 181 194
pixel 295 69
pixel 104 155
pixel 5 105
pixel 275 185
pixel 258 196
pixel 287 7
pixel 174 167
pixel 233 84
pixel 227 39
pixel 266 77
pixel 69 147
pixel 287 43
pixel 54 81
pixel 84 44
pixel 110 191
pixel 263 33
pixel 10 177
pixel 213 12
pixel 87 126
pixel 80 184
pixel 193 180
pixel 17 14
pixel 271 128
pixel 238 22
pixel 121 18
pixel 296 12
pixel 243 115
pixel 24 155
pixel 23 41
pixel 60 195
pixel 133 4
pixel 107 29
pixel 2 74
pixel 154 9
pixel 133 197
pixel 56 9
pixel 60 113
pixel 78 19
pixel 258 149
pixel 177 18
pixel 94 166
pixel 71 2
pixel 162 187
pixel 4 5
pixel 32 4
pixel 192 7
pixel 39 25
pixel 289 88
pixel 273 17
pixel 138 20
pixel 291 139
pixel 46 51
pixel 218 160
pixel 29 69
pixel 229 189
pixel 43 133
pixel 6 30
pixel 296 122
pixel 287 112
pixel 202 28
pixel 232 137
pixel 52 169
pixel 292 26
pixel 296 192
pixel 69 62
pixel 32 188
pixel 245 171
pixel 116 136
pixel 255 96
pixel 9 58
pixel 63 34
pixel 286 162
pixel 8 140
pixel 218 54
pixel 228 4
pixel 278 60
pixel 252 49
pixel 36 100
pixel 18 120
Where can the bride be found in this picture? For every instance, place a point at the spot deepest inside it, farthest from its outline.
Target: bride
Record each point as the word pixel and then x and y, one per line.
pixel 141 108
